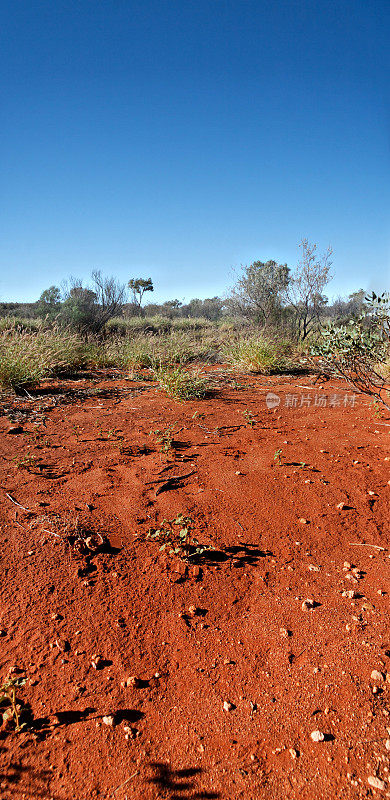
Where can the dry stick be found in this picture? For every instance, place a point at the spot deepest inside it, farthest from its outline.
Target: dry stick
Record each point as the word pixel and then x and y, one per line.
pixel 124 784
pixel 44 530
pixel 366 544
pixel 16 502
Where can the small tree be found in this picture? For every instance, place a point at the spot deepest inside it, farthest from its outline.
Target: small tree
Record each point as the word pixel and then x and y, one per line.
pixel 258 292
pixel 307 284
pixel 139 286
pixel 49 303
pixel 110 295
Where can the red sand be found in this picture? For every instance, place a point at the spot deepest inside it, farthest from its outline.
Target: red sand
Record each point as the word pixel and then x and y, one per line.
pixel 86 453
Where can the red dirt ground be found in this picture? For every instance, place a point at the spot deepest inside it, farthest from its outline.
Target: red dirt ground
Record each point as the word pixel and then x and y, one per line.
pixel 86 454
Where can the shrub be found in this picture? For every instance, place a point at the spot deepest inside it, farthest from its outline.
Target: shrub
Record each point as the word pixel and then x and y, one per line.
pixel 27 358
pixel 181 384
pixel 359 350
pixel 257 354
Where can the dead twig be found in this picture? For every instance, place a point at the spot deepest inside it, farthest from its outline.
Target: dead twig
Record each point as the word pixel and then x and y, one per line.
pixel 124 783
pixel 15 502
pixel 366 544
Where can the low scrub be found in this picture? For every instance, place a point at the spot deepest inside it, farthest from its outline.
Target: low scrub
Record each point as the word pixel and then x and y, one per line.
pixel 27 358
pixel 172 348
pixel 181 384
pixel 259 355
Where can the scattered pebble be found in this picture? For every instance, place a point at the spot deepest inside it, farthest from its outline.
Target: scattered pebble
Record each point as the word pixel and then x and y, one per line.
pixel 293 752
pixel 307 604
pixel 96 661
pixel 303 521
pixel 227 706
pixel 285 633
pixel 349 593
pixel 341 506
pixel 132 681
pixel 109 720
pixel 377 676
pixel 313 568
pixel 376 783
pixel 317 736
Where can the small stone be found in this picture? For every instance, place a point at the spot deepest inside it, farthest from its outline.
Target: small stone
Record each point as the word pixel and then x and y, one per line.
pixel 317 736
pixel 285 633
pixel 377 676
pixel 313 568
pixel 341 506
pixel 387 744
pixel 293 752
pixel 108 720
pixel 193 611
pixel 303 521
pixel 376 783
pixel 63 645
pixel 227 706
pixel 134 682
pixel 15 429
pixel 96 661
pixel 130 733
pixel 307 604
pixel 349 593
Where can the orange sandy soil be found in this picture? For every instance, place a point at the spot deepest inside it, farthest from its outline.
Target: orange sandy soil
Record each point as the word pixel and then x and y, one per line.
pixel 86 453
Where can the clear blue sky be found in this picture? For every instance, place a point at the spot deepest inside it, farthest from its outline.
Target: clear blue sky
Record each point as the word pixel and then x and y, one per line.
pixel 177 139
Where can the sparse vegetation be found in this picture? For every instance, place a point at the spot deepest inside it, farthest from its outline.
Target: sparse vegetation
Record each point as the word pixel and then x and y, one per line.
pixel 177 537
pixel 358 351
pixel 13 708
pixel 27 358
pixel 181 384
pixel 257 354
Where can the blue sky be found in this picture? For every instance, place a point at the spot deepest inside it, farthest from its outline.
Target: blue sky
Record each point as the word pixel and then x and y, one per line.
pixel 178 139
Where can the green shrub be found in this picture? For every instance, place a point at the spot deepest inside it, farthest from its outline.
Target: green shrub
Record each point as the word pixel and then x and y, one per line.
pixel 180 383
pixel 359 350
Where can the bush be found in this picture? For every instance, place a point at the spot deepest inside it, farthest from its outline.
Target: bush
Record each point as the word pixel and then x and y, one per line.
pixel 359 350
pixel 257 354
pixel 181 384
pixel 27 358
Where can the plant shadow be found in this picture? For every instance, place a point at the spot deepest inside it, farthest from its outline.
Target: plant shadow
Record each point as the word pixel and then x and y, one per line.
pixel 179 784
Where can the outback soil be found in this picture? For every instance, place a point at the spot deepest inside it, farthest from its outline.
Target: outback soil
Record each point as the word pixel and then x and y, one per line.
pixel 232 671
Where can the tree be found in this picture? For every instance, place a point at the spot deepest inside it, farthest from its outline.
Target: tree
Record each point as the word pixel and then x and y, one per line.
pixel 259 291
pixel 49 302
pixel 139 286
pixel 89 309
pixel 110 295
pixel 306 286
pixel 79 309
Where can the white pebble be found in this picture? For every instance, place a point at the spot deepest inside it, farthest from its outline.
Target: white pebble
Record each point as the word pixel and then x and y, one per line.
pixel 317 736
pixel 376 783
